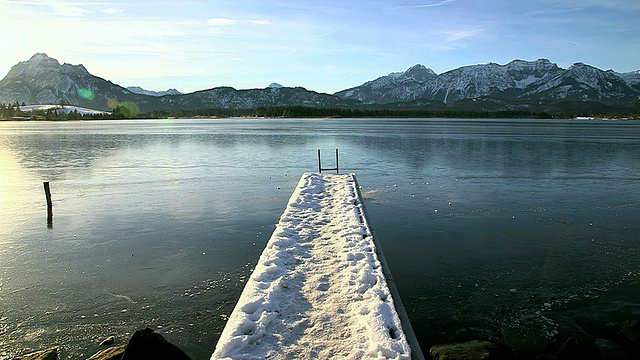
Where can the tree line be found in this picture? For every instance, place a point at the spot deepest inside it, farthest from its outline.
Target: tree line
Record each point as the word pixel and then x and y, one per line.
pixel 12 111
pixel 313 112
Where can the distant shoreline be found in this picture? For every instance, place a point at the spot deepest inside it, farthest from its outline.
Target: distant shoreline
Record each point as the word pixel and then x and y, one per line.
pixel 26 119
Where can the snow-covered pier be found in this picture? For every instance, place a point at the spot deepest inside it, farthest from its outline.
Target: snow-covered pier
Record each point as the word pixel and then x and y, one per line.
pixel 319 289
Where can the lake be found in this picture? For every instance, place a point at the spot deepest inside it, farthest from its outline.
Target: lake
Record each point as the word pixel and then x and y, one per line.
pixel 501 230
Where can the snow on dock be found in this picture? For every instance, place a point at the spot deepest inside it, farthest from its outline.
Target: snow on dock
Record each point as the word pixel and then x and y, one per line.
pixel 318 289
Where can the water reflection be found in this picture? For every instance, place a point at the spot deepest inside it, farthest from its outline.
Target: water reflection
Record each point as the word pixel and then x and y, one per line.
pixel 59 156
pixel 464 147
pixel 21 196
pixel 472 152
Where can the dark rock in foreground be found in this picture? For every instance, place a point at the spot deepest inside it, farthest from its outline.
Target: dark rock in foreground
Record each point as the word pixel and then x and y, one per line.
pixel 562 347
pixel 144 345
pixel 147 344
pixel 628 332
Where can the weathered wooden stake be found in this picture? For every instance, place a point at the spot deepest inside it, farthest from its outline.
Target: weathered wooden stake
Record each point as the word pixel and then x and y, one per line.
pixel 47 194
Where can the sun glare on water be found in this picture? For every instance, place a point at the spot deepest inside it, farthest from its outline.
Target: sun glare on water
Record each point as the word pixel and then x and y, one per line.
pixel 11 176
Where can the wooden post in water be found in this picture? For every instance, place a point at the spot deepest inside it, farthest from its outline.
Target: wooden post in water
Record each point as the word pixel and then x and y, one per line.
pixel 47 194
pixel 319 162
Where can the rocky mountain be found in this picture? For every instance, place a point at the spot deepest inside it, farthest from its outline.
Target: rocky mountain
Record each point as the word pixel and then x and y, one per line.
pixel 230 98
pixel 42 80
pixel 141 91
pixel 517 81
pixel 519 85
pixel 400 86
pixel 582 82
pixel 631 78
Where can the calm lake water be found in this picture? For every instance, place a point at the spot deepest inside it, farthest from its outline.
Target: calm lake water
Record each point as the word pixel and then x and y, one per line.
pixel 502 230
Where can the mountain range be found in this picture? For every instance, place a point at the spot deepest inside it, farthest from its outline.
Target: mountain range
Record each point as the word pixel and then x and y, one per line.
pixel 141 91
pixel 519 85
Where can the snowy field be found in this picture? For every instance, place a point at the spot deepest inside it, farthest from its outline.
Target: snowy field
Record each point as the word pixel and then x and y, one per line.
pixel 318 290
pixel 66 109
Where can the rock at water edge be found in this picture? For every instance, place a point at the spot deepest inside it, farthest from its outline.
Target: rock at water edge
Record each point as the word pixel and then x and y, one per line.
pixel 147 344
pixel 108 341
pixel 47 354
pixel 112 353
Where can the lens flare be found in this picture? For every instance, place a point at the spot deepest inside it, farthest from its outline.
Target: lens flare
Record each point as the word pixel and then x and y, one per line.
pixel 112 103
pixel 130 109
pixel 86 94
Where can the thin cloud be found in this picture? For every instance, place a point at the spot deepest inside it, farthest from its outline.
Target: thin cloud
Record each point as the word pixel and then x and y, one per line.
pixel 221 22
pixel 112 11
pixel 452 40
pixel 620 5
pixel 564 8
pixel 260 22
pixel 228 22
pixel 250 70
pixel 66 8
pixel 420 6
pixel 357 72
pixel 457 35
pixel 295 50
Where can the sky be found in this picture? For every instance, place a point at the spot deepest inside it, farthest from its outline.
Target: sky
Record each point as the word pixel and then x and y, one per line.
pixel 325 46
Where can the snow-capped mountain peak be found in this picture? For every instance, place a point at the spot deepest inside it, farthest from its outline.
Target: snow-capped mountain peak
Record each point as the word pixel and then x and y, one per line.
pixel 418 73
pixel 398 86
pixel 141 91
pixel 632 79
pixel 38 63
pixel 519 80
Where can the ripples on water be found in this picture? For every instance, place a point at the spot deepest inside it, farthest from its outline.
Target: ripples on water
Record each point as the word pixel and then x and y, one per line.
pixel 502 230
